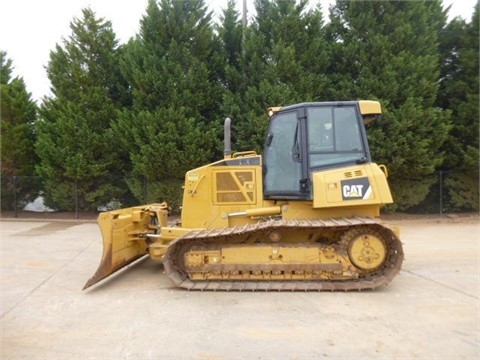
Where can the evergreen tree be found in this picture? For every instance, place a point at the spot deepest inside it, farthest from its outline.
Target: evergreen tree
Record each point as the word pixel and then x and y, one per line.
pixel 459 93
pixel 283 61
pixel 77 149
pixel 388 50
pixel 231 33
pixel 172 66
pixel 17 118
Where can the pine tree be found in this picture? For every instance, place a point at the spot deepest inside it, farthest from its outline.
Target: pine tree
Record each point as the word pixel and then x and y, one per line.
pixel 459 93
pixel 231 34
pixel 17 118
pixel 172 67
pixel 283 61
pixel 389 51
pixel 75 144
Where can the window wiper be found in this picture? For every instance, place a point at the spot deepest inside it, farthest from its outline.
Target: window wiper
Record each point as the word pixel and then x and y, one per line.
pixel 269 139
pixel 362 160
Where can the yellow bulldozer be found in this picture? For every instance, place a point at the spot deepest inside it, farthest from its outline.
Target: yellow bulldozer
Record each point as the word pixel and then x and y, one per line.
pixel 304 216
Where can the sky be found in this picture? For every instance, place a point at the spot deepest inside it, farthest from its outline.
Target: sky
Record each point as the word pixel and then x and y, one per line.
pixel 30 29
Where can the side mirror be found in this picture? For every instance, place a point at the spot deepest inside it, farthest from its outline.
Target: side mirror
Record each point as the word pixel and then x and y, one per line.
pixel 367 119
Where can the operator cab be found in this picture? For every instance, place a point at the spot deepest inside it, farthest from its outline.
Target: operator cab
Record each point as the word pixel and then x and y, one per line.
pixel 309 137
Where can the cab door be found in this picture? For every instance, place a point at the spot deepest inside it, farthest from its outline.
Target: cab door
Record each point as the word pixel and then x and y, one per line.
pixel 283 158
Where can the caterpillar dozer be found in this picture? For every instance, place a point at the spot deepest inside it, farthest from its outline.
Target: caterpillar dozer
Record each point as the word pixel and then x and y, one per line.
pixel 304 216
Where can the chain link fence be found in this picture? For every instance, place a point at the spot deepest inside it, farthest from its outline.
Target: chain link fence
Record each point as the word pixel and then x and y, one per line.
pixel 25 193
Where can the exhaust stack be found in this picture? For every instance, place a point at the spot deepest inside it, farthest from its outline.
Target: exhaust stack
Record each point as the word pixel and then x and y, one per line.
pixel 227 152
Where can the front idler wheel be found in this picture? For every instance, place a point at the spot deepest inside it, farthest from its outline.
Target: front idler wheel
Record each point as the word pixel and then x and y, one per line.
pixel 366 249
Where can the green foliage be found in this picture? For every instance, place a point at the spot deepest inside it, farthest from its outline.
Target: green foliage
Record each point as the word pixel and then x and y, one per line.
pixel 283 59
pixel 17 118
pixel 167 144
pixel 409 142
pixel 230 37
pixel 389 51
pixel 172 125
pixel 75 144
pixel 462 188
pixel 153 108
pixel 460 93
pixel 174 61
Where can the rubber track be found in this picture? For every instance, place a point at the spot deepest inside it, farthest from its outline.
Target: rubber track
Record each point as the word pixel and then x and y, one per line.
pixel 381 277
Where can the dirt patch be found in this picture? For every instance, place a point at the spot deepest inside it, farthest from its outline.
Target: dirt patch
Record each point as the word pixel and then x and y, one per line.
pixel 47 228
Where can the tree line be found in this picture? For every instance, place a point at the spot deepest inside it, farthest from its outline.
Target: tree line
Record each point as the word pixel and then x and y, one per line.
pixel 123 115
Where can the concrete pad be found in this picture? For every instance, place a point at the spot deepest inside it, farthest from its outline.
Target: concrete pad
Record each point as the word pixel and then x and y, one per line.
pixel 430 311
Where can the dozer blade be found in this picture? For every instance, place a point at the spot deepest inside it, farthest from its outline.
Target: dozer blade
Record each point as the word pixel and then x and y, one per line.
pixel 124 234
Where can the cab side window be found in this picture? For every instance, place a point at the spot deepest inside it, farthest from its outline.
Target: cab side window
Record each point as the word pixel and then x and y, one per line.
pixel 333 136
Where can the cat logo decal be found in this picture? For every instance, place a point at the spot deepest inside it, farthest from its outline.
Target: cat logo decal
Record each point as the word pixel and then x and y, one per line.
pixel 356 189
